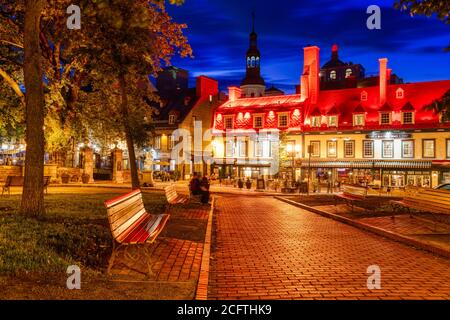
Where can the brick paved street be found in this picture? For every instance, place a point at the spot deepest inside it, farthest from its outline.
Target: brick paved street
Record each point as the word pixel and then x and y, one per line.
pixel 267 249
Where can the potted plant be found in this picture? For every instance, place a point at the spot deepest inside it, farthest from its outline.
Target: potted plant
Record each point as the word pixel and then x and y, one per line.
pixel 65 177
pixel 240 184
pixel 85 178
pixel 248 183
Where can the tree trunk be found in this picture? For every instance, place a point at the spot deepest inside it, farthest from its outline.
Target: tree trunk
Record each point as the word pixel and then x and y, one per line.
pixel 33 188
pixel 129 137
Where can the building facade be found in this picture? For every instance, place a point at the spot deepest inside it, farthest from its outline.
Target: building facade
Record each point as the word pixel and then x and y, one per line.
pixel 377 135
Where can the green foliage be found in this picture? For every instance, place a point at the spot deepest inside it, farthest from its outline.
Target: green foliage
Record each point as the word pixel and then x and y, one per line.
pixel 441 106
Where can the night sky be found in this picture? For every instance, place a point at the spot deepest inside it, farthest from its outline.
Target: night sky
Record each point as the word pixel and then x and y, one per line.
pixel 218 32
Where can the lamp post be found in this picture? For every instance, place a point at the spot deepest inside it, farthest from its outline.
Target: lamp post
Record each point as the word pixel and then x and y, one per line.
pixel 309 167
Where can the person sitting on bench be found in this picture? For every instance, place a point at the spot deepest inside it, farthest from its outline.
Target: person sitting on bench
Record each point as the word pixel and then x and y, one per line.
pixel 194 185
pixel 204 187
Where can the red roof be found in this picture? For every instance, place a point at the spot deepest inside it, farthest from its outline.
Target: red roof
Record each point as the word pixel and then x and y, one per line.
pixel 359 109
pixel 386 108
pixel 408 107
pixel 333 111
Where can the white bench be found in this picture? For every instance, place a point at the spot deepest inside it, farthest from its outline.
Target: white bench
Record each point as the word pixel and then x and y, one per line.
pixel 350 194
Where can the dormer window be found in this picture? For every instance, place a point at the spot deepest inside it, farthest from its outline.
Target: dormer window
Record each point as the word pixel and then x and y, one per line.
pixel 400 93
pixel 348 72
pixel 257 121
pixel 333 75
pixel 316 121
pixel 358 120
pixel 228 122
pixel 332 121
pixel 385 118
pixel 408 117
pixel 364 96
pixel 171 118
pixel 283 120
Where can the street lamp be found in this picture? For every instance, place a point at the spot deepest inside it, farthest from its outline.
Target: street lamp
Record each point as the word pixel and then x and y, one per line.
pixel 310 150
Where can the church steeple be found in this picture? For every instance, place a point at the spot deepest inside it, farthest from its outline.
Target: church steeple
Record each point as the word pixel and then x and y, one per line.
pixel 253 61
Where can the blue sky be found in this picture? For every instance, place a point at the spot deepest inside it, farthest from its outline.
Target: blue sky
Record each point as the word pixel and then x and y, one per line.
pixel 218 32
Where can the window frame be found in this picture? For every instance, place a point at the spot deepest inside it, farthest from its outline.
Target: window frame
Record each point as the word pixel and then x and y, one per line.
pixel 364 96
pixel 329 155
pixel 447 145
pixel 412 117
pixel 333 75
pixel 319 121
pixel 261 116
pixel 225 118
pixel 413 148
pixel 240 144
pixel 283 114
pixel 383 155
pixel 423 148
pixel 372 142
pixel 317 143
pixel 381 118
pixel 336 123
pixel 363 119
pixel 171 119
pixel 348 74
pixel 232 142
pixel 157 142
pixel 353 144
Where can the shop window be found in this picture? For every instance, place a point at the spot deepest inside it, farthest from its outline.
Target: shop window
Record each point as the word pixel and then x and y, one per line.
pixel 368 149
pixel 387 149
pixel 408 117
pixel 349 149
pixel 332 149
pixel 408 149
pixel 428 148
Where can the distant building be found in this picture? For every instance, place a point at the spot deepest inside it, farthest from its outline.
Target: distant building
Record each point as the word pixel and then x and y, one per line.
pixel 172 81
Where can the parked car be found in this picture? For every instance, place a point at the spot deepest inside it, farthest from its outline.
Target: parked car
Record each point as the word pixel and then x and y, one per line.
pixel 444 186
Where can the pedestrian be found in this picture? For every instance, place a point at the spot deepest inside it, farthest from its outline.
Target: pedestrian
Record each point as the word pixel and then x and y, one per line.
pixel 204 189
pixel 194 185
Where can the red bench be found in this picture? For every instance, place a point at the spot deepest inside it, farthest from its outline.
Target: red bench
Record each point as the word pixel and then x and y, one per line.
pixel 350 194
pixel 131 224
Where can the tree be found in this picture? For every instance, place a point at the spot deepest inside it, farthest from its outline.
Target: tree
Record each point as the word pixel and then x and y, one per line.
pixel 33 187
pixel 441 106
pixel 125 41
pixel 440 8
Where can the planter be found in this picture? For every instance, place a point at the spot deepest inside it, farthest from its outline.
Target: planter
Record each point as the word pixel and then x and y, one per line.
pixel 65 179
pixel 248 184
pixel 240 184
pixel 85 178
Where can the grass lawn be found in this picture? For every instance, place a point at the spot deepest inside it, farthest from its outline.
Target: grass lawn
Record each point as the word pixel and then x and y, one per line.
pixel 35 253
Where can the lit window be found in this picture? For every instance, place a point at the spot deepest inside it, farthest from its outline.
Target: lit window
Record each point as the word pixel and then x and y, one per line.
pixel 399 93
pixel 349 149
pixel 408 149
pixel 158 142
pixel 171 118
pixel 348 72
pixel 242 148
pixel 315 148
pixel 358 120
pixel 385 118
pixel 257 121
pixel 388 149
pixel 331 149
pixel 316 121
pixel 408 117
pixel 171 142
pixel 258 148
pixel 248 62
pixel 283 120
pixel 364 96
pixel 253 62
pixel 228 122
pixel 332 121
pixel 229 148
pixel 333 75
pixel 428 148
pixel 448 148
pixel 368 149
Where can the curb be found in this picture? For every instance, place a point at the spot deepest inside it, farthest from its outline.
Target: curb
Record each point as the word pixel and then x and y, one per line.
pixel 381 232
pixel 203 279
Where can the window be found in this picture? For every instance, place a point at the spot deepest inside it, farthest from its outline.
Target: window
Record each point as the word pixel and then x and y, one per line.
pixel 368 149
pixel 283 119
pixel 333 75
pixel 331 149
pixel 229 148
pixel 448 148
pixel 171 118
pixel 364 96
pixel 399 93
pixel 171 142
pixel 242 148
pixel 385 118
pixel 428 148
pixel 316 121
pixel 349 148
pixel 257 121
pixel 348 72
pixel 248 62
pixel 358 120
pixel 257 62
pixel 253 62
pixel 228 121
pixel 259 148
pixel 332 121
pixel 158 142
pixel 315 148
pixel 408 117
pixel 408 149
pixel 387 149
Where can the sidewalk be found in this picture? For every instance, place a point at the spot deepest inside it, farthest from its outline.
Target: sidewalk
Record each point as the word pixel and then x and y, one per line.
pixel 418 231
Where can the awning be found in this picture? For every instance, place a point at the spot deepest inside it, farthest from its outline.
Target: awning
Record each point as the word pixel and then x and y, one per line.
pixel 368 164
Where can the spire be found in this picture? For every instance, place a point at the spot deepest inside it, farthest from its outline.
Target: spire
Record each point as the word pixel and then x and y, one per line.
pixel 253 21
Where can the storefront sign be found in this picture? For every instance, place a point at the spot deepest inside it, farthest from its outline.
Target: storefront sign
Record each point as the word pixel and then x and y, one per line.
pixel 389 135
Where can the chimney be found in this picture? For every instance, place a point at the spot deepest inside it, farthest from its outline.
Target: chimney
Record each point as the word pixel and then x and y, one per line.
pixel 206 87
pixel 334 52
pixel 304 87
pixel 311 68
pixel 234 93
pixel 383 79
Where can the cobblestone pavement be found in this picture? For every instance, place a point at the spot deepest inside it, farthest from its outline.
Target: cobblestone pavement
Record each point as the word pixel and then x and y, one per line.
pixel 267 249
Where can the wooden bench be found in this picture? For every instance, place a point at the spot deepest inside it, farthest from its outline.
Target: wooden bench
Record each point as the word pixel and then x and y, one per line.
pixel 17 181
pixel 424 200
pixel 173 198
pixel 131 224
pixel 350 194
